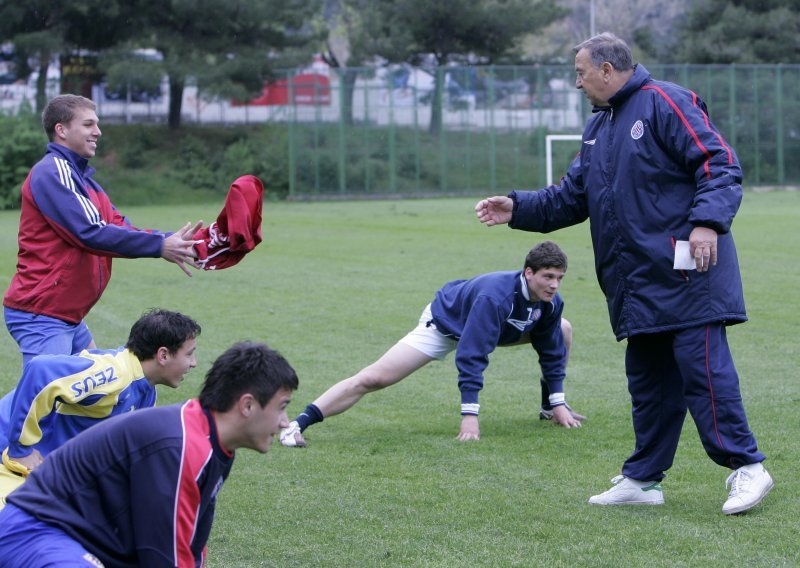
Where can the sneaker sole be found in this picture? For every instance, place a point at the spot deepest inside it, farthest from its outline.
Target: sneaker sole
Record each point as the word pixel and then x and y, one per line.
pixel 744 508
pixel 659 502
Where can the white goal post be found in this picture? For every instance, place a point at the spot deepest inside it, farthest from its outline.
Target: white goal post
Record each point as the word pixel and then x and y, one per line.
pixel 548 146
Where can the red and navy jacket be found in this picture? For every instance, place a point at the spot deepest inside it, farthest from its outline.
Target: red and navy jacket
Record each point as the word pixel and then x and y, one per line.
pixel 138 489
pixel 68 232
pixel 652 166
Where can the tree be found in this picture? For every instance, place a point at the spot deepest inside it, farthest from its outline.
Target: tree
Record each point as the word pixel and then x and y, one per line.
pixel 41 29
pixel 353 37
pixel 228 46
pixel 447 30
pixel 646 25
pixel 742 31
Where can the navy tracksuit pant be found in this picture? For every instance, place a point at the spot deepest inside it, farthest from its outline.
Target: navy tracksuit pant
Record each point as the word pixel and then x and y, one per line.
pixel 689 368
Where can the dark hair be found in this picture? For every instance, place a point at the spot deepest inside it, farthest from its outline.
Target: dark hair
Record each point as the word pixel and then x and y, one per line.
pixel 246 367
pixel 160 328
pixel 607 47
pixel 61 110
pixel 546 254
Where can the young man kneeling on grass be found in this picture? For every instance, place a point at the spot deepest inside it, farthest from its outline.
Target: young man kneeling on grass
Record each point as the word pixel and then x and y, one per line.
pixel 472 317
pixel 140 489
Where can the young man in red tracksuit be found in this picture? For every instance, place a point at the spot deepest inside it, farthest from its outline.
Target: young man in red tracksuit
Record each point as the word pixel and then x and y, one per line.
pixel 69 231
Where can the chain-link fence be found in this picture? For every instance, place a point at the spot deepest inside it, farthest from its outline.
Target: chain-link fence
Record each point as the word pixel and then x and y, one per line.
pixel 367 131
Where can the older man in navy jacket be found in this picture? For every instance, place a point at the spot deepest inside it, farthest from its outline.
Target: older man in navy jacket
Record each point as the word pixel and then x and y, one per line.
pixel 653 171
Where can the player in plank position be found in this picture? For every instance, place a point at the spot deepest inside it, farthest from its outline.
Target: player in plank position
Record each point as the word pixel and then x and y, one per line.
pixel 471 317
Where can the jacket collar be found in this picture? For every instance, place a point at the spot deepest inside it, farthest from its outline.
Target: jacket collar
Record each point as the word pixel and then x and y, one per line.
pixel 74 158
pixel 637 81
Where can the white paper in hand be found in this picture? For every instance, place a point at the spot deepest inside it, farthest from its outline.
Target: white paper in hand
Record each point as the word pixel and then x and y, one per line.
pixel 683 257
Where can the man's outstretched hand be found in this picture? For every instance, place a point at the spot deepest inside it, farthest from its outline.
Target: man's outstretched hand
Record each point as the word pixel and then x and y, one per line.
pixel 494 210
pixel 179 247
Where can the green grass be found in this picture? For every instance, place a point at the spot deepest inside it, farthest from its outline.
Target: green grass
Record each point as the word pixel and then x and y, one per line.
pixel 386 484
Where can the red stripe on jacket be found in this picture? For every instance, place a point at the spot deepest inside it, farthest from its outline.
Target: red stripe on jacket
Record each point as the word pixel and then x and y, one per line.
pixel 196 452
pixel 691 130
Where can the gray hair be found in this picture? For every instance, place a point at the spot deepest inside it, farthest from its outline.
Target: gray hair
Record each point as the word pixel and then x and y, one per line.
pixel 607 47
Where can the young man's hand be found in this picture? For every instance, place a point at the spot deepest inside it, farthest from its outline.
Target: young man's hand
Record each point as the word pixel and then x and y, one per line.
pixel 179 247
pixel 565 417
pixel 469 428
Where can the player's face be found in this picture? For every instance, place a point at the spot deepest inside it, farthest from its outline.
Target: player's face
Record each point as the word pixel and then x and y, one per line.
pixel 590 79
pixel 81 133
pixel 544 283
pixel 265 423
pixel 176 365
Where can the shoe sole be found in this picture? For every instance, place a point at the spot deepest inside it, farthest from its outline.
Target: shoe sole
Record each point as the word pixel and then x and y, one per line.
pixel 661 502
pixel 745 508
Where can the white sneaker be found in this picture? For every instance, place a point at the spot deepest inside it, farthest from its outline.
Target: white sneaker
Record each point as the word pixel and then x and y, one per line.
pixel 291 437
pixel 749 485
pixel 627 491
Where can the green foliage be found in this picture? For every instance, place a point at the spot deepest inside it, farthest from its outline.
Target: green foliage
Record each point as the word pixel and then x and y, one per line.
pixel 149 164
pixel 21 146
pixel 741 31
pixel 386 483
pixel 225 45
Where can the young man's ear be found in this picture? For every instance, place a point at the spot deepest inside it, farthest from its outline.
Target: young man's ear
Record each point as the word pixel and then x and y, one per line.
pixel 247 404
pixel 162 355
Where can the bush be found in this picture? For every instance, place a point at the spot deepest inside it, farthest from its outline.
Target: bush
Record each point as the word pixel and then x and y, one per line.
pixel 20 148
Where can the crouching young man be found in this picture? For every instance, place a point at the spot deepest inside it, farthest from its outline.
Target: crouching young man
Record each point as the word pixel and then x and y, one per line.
pixel 140 489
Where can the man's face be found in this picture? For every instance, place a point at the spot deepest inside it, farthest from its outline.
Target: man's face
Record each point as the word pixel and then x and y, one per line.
pixel 81 133
pixel 544 283
pixel 175 365
pixel 590 79
pixel 263 424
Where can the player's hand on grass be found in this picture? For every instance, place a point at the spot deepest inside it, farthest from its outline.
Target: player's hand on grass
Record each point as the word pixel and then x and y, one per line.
pixel 566 417
pixel 179 247
pixel 494 210
pixel 469 428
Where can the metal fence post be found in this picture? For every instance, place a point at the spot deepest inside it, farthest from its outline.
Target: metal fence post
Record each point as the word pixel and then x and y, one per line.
pixel 341 150
pixel 779 118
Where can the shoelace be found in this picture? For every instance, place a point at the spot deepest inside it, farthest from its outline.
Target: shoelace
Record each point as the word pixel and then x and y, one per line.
pixel 735 481
pixel 616 480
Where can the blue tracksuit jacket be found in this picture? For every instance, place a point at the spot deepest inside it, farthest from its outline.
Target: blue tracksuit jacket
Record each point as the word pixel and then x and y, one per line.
pixel 652 166
pixel 496 309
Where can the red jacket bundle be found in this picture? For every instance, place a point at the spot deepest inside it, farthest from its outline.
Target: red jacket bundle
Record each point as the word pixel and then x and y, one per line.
pixel 237 229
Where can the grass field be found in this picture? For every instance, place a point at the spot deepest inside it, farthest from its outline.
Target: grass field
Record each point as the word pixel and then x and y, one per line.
pixel 387 484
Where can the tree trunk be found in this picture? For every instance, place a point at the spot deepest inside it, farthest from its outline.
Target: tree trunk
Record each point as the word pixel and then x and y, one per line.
pixel 175 101
pixel 436 103
pixel 348 77
pixel 41 81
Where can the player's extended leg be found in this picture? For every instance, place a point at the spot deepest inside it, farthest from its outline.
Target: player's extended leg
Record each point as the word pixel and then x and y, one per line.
pixel 396 364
